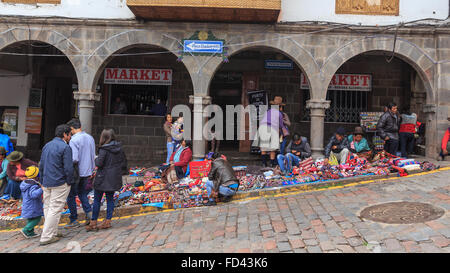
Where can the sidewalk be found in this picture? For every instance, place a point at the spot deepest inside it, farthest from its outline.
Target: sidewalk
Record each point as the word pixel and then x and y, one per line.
pixel 240 196
pixel 317 221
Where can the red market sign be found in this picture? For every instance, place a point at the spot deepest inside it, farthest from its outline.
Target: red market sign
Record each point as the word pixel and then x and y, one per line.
pixel 357 82
pixel 138 76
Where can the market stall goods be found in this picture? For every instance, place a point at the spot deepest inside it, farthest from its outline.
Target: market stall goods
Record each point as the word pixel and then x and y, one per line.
pixel 150 190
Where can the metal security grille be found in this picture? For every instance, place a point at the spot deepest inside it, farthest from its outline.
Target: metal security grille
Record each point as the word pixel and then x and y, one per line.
pixel 345 106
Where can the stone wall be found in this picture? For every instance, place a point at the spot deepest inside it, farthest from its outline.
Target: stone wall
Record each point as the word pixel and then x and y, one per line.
pixel 89 44
pixel 143 137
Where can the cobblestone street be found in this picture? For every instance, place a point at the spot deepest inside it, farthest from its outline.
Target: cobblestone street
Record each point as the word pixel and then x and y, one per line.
pixel 317 221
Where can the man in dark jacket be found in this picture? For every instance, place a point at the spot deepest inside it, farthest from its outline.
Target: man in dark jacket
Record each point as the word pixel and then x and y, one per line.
pixel 387 129
pixel 297 150
pixel 56 169
pixel 221 180
pixel 337 146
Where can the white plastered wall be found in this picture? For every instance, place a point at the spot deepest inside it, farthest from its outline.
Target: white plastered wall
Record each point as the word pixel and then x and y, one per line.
pixel 14 91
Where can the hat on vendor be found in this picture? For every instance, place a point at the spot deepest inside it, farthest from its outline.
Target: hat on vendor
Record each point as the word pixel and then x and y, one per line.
pixel 358 131
pixel 278 100
pixel 14 156
pixel 340 131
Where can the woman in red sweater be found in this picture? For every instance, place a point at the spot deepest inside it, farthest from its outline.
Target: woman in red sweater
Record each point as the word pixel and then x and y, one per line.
pixel 181 157
pixel 445 145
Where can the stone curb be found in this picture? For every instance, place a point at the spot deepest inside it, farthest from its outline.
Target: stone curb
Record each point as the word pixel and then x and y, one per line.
pixel 269 192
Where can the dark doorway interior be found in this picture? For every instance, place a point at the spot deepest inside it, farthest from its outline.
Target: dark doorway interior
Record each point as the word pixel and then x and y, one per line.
pixel 58 104
pixel 226 89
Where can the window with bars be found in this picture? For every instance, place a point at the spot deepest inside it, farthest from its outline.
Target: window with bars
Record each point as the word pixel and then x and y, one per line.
pixel 345 106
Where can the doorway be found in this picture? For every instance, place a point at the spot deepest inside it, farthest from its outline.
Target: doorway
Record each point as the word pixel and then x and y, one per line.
pixel 58 105
pixel 226 89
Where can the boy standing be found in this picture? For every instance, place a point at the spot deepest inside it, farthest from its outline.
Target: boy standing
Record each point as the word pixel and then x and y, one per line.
pixel 32 208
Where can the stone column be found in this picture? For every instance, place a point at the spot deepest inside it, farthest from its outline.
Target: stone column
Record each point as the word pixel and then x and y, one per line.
pixel 317 108
pixel 86 101
pixel 198 140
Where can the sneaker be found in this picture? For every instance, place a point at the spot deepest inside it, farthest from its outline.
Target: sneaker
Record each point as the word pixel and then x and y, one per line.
pixel 73 224
pixel 34 235
pixel 211 203
pixel 25 235
pixel 51 241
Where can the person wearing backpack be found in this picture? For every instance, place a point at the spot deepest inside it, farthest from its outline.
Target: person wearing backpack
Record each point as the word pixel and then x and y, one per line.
pixel 112 164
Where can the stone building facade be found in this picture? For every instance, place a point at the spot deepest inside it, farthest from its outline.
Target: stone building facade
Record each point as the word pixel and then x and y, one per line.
pixel 420 71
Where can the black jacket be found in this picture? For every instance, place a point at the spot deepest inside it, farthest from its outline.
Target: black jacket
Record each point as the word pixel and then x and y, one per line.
pixel 340 145
pixel 222 174
pixel 303 148
pixel 388 125
pixel 112 164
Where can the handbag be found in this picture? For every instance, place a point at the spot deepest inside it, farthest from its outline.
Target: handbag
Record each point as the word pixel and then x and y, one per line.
pixel 284 131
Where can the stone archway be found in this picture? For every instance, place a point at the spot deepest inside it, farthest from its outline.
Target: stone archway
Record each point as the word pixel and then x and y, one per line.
pixel 49 80
pixel 404 49
pixel 407 51
pixel 52 37
pixel 117 43
pixel 203 68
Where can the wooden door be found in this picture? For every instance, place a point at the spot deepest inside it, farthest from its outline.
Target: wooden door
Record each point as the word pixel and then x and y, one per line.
pixel 249 83
pixel 57 107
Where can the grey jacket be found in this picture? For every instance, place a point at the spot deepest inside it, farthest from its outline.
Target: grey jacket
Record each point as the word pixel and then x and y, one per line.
pixel 303 148
pixel 388 125
pixel 343 144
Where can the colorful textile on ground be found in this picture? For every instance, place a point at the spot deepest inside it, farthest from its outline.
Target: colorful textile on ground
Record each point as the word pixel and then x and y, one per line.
pixel 149 190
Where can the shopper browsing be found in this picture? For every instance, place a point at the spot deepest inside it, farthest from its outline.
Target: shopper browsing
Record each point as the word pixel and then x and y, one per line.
pixel 112 164
pixel 83 155
pixel 56 169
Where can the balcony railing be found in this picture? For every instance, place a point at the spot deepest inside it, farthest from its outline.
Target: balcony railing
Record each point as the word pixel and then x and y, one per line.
pixel 240 11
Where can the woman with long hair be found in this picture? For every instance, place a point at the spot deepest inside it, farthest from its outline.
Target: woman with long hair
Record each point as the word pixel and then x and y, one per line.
pixel 112 164
pixel 168 130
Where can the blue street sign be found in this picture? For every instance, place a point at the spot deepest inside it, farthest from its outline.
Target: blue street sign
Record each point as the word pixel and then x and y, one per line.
pixel 197 46
pixel 279 64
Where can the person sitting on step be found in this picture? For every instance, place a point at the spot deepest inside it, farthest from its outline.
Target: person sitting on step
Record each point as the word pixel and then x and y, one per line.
pixel 358 143
pixel 337 147
pixel 297 150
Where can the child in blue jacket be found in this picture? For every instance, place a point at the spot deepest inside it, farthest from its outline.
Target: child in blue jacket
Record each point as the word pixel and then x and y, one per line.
pixel 32 207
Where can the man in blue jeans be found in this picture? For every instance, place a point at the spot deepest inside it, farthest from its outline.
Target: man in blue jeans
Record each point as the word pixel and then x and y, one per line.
pixel 221 180
pixel 297 150
pixel 83 154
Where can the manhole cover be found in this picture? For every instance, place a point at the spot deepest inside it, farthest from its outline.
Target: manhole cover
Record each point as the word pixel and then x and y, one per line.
pixel 402 213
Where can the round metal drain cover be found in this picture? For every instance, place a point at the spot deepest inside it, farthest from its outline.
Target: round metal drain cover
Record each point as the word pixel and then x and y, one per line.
pixel 402 213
